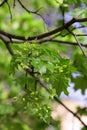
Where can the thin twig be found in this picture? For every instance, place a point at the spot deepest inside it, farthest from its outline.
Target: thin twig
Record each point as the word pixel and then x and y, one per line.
pixel 44 85
pixel 9 49
pixel 7 44
pixel 3 3
pixel 14 3
pixel 63 14
pixel 47 34
pixel 80 46
pixel 29 11
pixel 43 41
pixel 74 114
pixel 9 10
pixel 61 42
pixel 74 35
pixel 81 35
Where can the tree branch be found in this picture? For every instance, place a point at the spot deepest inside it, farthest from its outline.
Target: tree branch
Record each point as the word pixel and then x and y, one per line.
pixel 8 38
pixel 74 35
pixel 3 3
pixel 9 49
pixel 7 44
pixel 44 85
pixel 44 35
pixel 29 11
pixel 61 42
pixel 9 10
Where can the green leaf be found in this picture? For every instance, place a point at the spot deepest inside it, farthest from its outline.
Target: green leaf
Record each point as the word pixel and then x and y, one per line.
pixel 42 70
pixel 60 83
pixel 80 62
pixel 59 1
pixel 6 109
pixel 84 128
pixel 80 83
pixel 82 111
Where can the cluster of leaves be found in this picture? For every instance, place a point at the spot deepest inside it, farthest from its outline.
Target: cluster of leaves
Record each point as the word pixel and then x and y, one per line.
pixel 80 62
pixel 31 109
pixel 82 111
pixel 46 63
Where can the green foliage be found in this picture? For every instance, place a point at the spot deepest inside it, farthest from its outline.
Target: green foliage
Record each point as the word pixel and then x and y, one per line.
pixel 24 103
pixel 6 109
pixel 82 111
pixel 46 63
pixel 83 128
pixel 80 62
pixel 80 83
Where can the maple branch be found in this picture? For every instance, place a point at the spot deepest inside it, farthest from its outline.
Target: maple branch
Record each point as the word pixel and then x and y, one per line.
pixel 44 85
pixel 44 35
pixel 8 38
pixel 61 42
pixel 7 44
